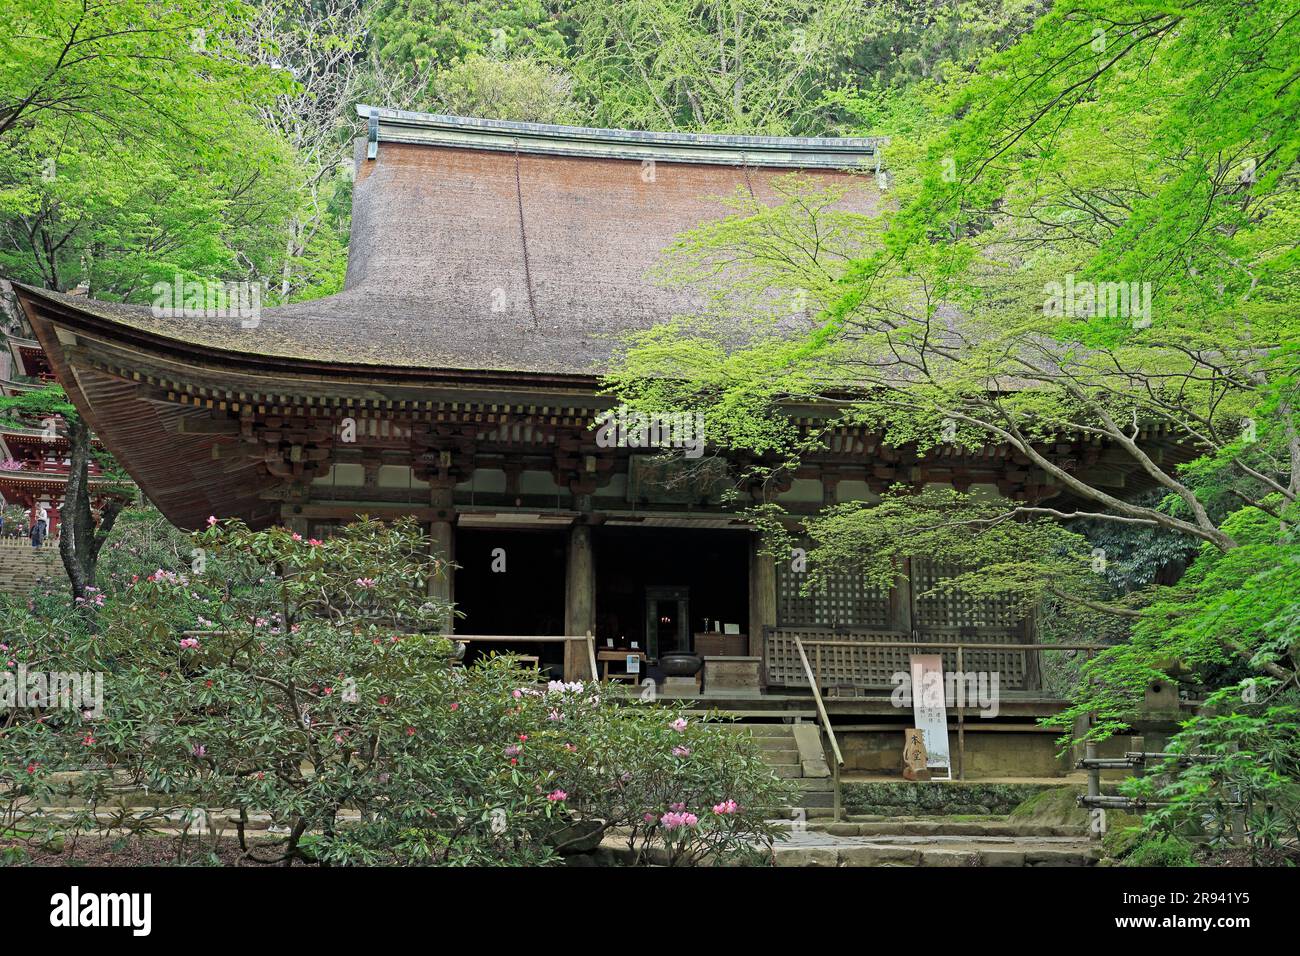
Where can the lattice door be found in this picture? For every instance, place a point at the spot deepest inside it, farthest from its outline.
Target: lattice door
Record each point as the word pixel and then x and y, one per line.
pixel 951 615
pixel 846 601
pixel 849 610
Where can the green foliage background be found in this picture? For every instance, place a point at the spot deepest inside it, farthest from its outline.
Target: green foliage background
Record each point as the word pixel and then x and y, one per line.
pixel 1155 141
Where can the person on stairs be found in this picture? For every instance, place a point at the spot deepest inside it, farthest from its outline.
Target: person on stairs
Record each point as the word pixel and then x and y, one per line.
pixel 40 526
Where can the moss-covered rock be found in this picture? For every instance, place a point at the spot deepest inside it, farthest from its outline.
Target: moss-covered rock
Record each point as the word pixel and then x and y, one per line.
pixel 1055 806
pixel 1123 833
pixel 928 799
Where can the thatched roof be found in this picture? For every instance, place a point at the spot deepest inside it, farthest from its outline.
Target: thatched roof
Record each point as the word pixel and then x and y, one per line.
pixel 438 277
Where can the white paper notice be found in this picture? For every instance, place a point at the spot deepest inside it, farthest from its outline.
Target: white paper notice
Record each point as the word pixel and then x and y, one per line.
pixel 928 708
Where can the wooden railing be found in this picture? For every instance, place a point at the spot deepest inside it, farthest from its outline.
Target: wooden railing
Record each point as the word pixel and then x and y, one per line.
pixel 825 721
pixel 23 541
pixel 586 639
pixel 815 676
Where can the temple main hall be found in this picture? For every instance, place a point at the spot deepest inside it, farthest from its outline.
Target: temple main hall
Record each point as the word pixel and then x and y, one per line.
pixel 492 269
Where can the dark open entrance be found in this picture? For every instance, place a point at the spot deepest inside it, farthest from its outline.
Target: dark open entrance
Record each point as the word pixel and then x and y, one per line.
pixel 511 582
pixel 658 587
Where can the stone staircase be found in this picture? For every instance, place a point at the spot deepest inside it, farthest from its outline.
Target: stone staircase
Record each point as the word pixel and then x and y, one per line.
pixel 794 751
pixel 935 841
pixel 22 566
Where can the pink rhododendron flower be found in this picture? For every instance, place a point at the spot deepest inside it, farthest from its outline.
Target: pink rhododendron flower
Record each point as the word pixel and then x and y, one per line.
pixel 555 796
pixel 554 715
pixel 512 750
pixel 648 817
pixel 314 541
pixel 726 807
pixel 679 724
pixel 296 536
pixel 365 582
pixel 199 750
pixel 560 687
pixel 676 820
pixel 681 751
pixel 189 643
pixel 455 705
pixel 212 519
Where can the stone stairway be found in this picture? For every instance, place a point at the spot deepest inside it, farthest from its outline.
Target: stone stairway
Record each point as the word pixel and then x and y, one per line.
pixel 935 841
pixel 794 751
pixel 22 566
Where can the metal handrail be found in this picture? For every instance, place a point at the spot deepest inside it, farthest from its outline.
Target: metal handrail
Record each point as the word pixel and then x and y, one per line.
pixel 825 721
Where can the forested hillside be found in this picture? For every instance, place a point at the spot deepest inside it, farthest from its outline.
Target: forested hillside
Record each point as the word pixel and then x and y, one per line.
pixel 211 138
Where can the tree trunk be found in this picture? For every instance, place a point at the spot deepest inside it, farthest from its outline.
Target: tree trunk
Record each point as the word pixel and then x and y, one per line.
pixel 79 541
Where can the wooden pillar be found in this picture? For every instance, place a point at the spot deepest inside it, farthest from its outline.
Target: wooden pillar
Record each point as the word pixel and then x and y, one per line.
pixel 762 600
pixel 961 715
pixel 442 534
pixel 579 600
pixel 1082 724
pixel 903 601
pixel 1033 667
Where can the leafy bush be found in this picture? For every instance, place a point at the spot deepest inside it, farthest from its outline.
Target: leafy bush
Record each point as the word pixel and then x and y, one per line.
pixel 1247 763
pixel 309 681
pixel 1161 851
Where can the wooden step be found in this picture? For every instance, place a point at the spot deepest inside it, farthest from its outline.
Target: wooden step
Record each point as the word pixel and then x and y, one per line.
pixel 939 826
pixel 944 853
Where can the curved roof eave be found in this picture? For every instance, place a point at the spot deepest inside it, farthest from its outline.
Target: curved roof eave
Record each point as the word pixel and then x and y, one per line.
pixel 93 317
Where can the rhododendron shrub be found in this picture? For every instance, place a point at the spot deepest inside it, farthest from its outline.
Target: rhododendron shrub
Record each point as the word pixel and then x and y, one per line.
pixel 673 788
pixel 534 770
pixel 276 678
pixel 36 742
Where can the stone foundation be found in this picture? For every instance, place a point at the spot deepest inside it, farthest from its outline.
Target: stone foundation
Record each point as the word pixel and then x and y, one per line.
pixel 989 753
